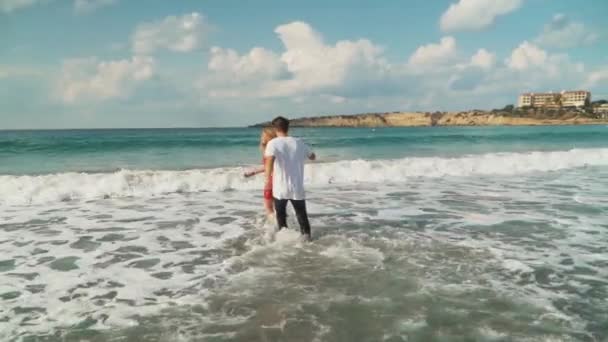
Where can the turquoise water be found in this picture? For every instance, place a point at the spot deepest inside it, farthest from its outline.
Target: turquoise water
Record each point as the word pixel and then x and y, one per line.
pixel 420 234
pixel 39 152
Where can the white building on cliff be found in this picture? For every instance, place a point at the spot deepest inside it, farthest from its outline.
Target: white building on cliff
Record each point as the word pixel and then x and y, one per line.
pixel 568 99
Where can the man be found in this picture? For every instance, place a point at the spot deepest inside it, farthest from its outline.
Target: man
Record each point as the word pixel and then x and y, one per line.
pixel 284 166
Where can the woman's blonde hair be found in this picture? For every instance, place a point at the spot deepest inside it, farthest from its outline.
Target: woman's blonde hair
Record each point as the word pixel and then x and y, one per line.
pixel 268 133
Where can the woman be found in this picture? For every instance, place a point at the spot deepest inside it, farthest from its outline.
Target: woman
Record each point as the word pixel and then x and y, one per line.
pixel 268 134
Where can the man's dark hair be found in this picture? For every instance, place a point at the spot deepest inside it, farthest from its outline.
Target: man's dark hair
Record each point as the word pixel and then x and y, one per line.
pixel 281 124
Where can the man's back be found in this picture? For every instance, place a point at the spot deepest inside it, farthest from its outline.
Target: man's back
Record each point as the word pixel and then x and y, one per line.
pixel 285 170
pixel 288 172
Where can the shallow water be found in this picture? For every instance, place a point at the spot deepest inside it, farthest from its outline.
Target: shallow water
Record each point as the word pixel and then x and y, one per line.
pixel 443 259
pixel 494 247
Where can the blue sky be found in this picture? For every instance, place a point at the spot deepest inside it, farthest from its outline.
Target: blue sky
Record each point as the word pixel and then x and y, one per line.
pixel 188 63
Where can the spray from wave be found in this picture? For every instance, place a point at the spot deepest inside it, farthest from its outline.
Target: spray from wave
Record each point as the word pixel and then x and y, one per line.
pixel 23 190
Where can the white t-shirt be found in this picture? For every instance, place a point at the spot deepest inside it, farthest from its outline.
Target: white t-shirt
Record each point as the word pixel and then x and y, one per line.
pixel 288 175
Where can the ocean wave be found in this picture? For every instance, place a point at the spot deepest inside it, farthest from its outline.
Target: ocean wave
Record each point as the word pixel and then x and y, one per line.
pixel 127 143
pixel 85 144
pixel 23 190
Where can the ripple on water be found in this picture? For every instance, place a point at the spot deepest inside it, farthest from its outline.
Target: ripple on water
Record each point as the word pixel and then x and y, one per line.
pixel 86 244
pixel 163 275
pixel 112 237
pixel 146 263
pixel 180 223
pixel 35 288
pixel 116 258
pixel 38 251
pixel 45 260
pixel 222 220
pixel 179 245
pixel 132 249
pixel 7 265
pixel 64 264
pixel 26 276
pixel 10 295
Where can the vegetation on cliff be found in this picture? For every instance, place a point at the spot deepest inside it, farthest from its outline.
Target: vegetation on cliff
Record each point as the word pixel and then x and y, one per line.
pixel 509 116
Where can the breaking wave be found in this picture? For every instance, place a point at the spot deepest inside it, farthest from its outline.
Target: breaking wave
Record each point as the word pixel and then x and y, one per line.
pixel 23 190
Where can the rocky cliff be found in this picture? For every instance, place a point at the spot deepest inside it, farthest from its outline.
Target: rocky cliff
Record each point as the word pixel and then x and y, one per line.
pixel 469 118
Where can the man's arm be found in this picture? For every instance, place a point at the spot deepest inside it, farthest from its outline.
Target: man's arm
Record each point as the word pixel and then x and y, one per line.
pixel 269 157
pixel 268 166
pixel 310 154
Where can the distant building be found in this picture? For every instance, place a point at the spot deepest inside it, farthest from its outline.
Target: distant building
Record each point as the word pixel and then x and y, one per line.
pixel 525 100
pixel 577 98
pixel 536 100
pixel 602 110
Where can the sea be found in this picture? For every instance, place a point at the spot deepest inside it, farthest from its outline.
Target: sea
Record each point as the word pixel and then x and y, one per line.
pixel 419 234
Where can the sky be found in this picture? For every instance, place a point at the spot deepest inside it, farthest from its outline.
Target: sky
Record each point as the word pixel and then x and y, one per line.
pixel 224 63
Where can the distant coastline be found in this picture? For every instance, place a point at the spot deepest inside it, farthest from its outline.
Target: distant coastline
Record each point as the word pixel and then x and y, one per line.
pixel 505 117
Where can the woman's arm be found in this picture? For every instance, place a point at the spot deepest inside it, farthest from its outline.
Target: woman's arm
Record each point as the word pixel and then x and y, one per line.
pixel 254 172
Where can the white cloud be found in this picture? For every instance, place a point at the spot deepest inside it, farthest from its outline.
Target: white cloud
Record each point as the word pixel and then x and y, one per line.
pixel 86 6
pixel 434 54
pixel 483 59
pixel 467 76
pixel 307 65
pixel 230 72
pixel 316 65
pixel 527 55
pixel 527 68
pixel 562 33
pixel 535 66
pixel 596 78
pixel 310 72
pixel 334 99
pixel 8 6
pixel 92 80
pixel 80 6
pixel 22 71
pixel 475 14
pixel 258 64
pixel 178 34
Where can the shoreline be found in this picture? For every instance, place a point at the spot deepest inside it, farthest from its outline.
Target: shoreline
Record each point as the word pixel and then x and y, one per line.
pixel 447 119
pixel 600 123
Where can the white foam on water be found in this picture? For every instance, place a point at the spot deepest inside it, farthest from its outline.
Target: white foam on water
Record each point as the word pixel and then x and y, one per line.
pixel 516 266
pixel 398 213
pixel 288 237
pixel 20 190
pixel 447 227
pixel 349 251
pixel 122 247
pixel 489 334
pixel 411 325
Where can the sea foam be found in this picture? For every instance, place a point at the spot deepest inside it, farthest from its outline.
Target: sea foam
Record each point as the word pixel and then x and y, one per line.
pixel 27 189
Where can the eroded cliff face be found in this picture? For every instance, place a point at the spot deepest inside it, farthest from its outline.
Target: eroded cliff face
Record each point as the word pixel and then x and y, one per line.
pixel 493 119
pixel 471 118
pixel 366 120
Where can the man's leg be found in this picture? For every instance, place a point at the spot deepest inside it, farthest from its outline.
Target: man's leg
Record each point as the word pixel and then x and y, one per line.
pixel 280 210
pixel 300 207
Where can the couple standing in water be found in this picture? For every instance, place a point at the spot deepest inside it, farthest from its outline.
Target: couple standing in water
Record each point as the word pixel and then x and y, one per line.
pixel 283 159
